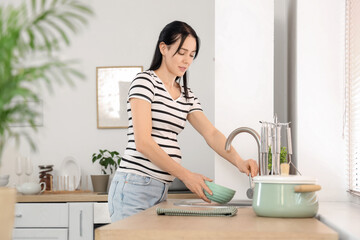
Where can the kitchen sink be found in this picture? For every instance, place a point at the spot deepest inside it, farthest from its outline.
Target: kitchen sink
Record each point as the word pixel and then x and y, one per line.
pixel 201 203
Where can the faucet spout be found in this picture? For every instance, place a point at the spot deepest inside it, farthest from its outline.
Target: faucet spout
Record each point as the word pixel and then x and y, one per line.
pixel 253 133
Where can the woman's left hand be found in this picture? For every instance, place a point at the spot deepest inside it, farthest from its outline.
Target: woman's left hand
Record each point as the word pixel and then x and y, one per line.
pixel 247 166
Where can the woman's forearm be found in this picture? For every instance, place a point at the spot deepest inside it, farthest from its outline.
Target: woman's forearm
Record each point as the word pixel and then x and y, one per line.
pixel 193 181
pixel 217 142
pixel 150 149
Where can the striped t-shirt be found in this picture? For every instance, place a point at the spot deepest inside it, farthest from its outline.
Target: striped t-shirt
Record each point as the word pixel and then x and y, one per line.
pixel 168 120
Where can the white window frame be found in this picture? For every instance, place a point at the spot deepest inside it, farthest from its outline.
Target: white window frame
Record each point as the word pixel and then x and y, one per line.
pixel 352 95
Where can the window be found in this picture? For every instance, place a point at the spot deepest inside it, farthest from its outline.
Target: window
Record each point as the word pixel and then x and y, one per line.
pixel 352 94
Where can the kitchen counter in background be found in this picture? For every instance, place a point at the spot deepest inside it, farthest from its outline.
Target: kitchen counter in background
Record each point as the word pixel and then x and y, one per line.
pixel 82 197
pixel 343 217
pixel 63 197
pixel 245 225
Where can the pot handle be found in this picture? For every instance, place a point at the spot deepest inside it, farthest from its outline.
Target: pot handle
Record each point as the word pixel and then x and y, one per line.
pixel 307 188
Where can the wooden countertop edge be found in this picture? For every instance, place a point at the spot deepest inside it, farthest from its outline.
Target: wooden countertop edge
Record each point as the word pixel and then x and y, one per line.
pixel 82 197
pixel 75 197
pixel 208 235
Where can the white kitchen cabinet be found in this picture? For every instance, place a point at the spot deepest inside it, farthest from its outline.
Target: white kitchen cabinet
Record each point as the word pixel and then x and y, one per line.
pixel 40 233
pixel 58 221
pixel 44 215
pixel 81 221
pixel 101 213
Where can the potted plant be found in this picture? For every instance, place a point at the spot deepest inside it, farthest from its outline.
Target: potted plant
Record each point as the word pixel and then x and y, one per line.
pixel 30 42
pixel 31 38
pixel 109 162
pixel 283 157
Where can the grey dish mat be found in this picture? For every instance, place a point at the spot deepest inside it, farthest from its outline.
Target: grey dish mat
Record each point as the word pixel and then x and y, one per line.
pixel 218 212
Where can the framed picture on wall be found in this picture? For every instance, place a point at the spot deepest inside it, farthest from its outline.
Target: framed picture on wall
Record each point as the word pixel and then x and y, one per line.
pixel 112 85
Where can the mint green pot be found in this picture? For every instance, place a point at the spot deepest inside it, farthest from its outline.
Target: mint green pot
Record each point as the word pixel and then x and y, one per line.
pixel 279 199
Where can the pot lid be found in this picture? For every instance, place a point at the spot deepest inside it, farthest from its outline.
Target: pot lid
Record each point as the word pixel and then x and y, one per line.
pixel 291 179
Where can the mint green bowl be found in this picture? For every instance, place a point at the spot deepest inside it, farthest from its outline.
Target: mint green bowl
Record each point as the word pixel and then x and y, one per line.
pixel 221 194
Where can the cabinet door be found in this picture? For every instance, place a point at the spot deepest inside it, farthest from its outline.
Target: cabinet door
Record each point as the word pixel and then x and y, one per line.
pixel 81 221
pixel 101 213
pixel 41 215
pixel 40 233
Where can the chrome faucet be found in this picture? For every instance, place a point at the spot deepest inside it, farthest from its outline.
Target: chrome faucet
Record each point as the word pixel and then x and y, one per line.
pixel 253 133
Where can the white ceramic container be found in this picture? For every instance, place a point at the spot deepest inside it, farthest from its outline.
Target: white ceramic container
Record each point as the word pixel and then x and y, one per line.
pixel 31 188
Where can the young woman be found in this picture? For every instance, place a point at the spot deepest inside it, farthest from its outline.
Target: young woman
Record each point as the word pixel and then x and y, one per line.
pixel 158 107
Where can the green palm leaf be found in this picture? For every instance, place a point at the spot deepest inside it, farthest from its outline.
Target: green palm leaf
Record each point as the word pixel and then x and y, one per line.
pixel 27 31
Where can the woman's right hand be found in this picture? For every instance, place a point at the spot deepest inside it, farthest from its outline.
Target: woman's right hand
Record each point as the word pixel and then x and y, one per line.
pixel 196 183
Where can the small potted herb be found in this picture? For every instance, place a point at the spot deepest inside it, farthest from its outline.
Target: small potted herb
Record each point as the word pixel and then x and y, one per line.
pixel 283 157
pixel 109 162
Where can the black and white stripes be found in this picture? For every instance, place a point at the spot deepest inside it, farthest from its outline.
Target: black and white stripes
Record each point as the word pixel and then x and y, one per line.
pixel 168 120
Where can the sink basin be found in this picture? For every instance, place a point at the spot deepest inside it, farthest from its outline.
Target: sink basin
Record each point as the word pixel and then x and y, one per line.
pixel 201 203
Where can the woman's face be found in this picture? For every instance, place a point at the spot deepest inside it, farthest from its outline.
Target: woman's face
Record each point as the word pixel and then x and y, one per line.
pixel 178 64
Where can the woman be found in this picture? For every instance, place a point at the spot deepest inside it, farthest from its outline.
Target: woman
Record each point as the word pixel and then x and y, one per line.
pixel 158 108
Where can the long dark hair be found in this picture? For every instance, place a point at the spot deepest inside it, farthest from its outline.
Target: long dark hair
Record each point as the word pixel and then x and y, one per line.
pixel 169 35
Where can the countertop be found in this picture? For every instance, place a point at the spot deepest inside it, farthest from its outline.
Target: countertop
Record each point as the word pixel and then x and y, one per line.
pixel 245 225
pixel 81 197
pixel 343 217
pixel 62 197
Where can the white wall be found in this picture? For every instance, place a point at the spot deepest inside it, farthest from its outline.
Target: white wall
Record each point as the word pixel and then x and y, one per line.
pixel 244 85
pixel 123 33
pixel 319 94
pixel 244 43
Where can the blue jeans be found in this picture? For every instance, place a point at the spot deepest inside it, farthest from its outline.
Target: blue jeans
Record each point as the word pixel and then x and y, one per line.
pixel 130 193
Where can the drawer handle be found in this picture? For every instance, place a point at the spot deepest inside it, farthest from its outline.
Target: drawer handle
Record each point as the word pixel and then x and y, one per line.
pixel 81 223
pixel 19 215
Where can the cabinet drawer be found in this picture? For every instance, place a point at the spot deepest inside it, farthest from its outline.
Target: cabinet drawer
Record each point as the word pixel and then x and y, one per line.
pixel 36 234
pixel 41 215
pixel 101 213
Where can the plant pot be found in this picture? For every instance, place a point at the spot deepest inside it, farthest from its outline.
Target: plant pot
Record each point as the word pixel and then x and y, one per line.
pixel 7 210
pixel 285 196
pixel 100 182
